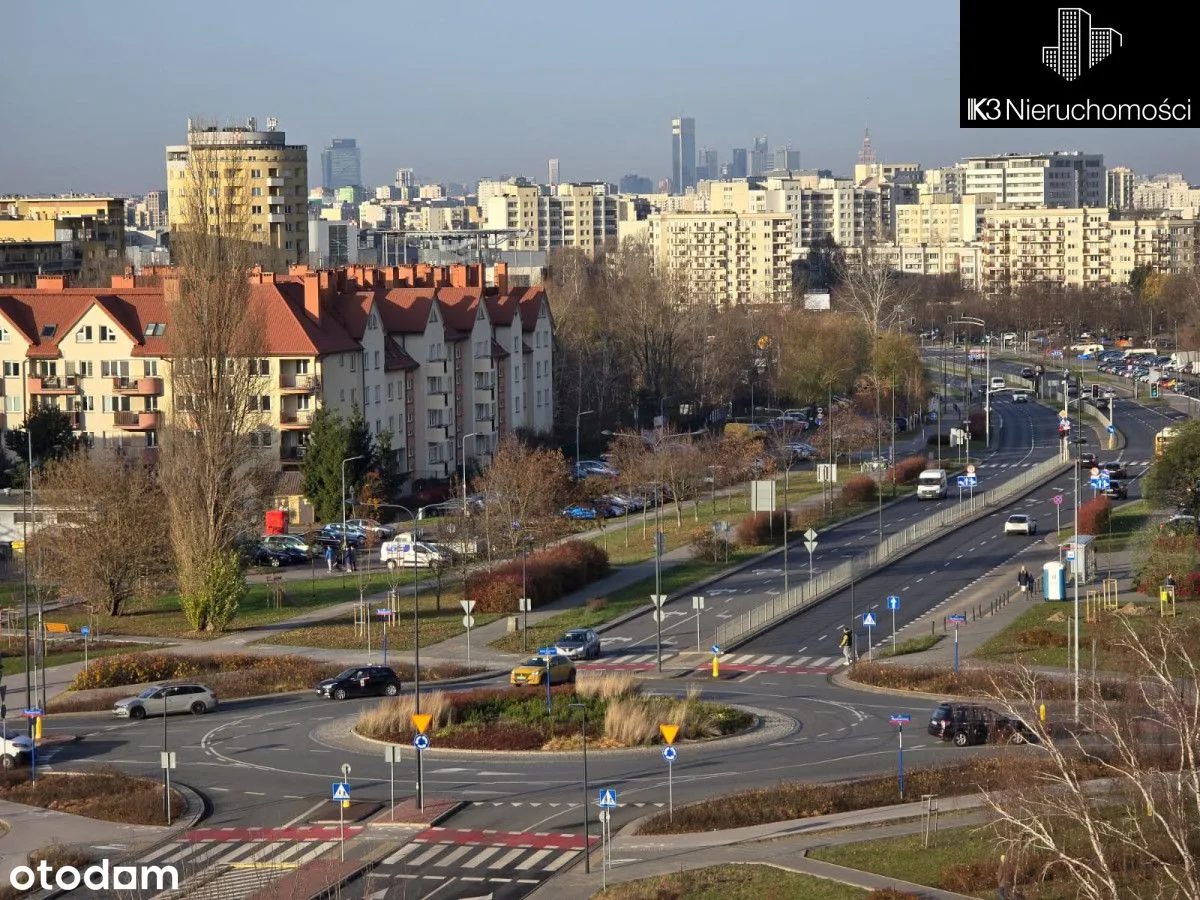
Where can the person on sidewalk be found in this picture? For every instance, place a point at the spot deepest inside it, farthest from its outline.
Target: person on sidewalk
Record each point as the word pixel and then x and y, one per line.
pixel 329 557
pixel 1006 879
pixel 349 559
pixel 1025 580
pixel 844 643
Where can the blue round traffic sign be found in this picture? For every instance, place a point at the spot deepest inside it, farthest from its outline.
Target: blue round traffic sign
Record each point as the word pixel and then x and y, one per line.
pixel 421 742
pixel 669 754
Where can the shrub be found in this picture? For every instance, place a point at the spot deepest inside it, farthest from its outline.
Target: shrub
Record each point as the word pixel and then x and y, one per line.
pixel 708 545
pixel 1041 637
pixel 891 894
pixel 807 517
pixel 548 575
pixel 1095 516
pixel 759 529
pixel 860 489
pixel 907 471
pixel 595 604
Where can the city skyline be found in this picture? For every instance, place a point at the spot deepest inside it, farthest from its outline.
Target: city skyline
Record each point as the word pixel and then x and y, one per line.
pixel 599 128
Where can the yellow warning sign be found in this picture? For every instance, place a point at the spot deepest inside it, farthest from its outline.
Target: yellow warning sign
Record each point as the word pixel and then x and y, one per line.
pixel 669 732
pixel 421 721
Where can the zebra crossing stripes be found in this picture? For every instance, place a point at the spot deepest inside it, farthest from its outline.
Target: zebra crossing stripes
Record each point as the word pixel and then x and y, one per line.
pixel 752 662
pixel 625 661
pixel 564 806
pixel 456 860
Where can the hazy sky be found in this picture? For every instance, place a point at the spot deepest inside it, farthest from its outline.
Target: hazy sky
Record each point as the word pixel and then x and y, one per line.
pixel 90 93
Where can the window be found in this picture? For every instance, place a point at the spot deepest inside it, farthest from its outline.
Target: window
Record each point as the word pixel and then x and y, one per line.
pixel 391 385
pixel 83 368
pixel 256 210
pixel 272 173
pixel 353 396
pixel 12 369
pixel 342 398
pixel 302 367
pixel 353 362
pixel 256 173
pixel 85 403
pixel 261 404
pixel 84 334
pixel 115 404
pixel 261 438
pixel 108 334
pixel 376 359
pixel 49 330
pixel 378 427
pixel 3 335
pixel 12 403
pixel 256 192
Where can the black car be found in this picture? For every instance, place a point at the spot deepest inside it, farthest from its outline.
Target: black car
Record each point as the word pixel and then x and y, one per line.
pixel 963 723
pixel 277 556
pixel 1088 460
pixel 1114 469
pixel 361 681
pixel 1116 490
pixel 1027 372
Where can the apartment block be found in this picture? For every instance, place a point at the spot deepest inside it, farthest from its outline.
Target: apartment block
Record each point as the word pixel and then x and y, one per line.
pixel 428 354
pixel 261 177
pixel 962 260
pixel 1121 182
pixel 582 216
pixel 825 208
pixel 1064 179
pixel 937 219
pixel 1079 247
pixel 726 258
pixel 58 235
pixel 1166 192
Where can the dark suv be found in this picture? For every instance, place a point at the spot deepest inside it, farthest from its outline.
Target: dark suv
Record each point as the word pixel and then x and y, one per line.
pixel 963 723
pixel 361 681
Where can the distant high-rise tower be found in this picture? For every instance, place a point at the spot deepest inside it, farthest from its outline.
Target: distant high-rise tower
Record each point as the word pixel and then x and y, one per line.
pixel 683 154
pixel 708 166
pixel 341 164
pixel 738 167
pixel 553 172
pixel 759 157
pixel 406 178
pixel 866 156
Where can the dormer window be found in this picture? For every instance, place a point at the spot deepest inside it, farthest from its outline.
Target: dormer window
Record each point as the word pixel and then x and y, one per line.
pixel 84 334
pixel 48 331
pixel 155 329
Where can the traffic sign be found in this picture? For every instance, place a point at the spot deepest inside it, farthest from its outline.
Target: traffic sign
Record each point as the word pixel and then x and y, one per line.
pixel 901 718
pixel 32 713
pixel 868 620
pixel 716 649
pixel 970 470
pixel 1112 429
pixel 669 754
pixel 1095 471
pixel 341 790
pixel 421 742
pixel 1058 499
pixel 669 732
pixel 383 612
pixel 85 631
pixel 1070 556
pixel 957 618
pixel 547 651
pixel 468 621
pixel 810 535
pixel 608 799
pixel 468 606
pixel 420 721
pixel 893 602
pixel 810 546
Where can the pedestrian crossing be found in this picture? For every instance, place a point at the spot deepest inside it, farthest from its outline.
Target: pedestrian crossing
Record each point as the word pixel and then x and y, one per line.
pixel 563 806
pixel 743 662
pixel 1028 465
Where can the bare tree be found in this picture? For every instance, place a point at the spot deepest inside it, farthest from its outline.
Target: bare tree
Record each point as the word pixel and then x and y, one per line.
pixel 109 544
pixel 1136 830
pixel 873 291
pixel 217 477
pixel 525 488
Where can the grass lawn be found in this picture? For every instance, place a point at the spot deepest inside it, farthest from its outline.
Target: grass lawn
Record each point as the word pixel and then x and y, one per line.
pixel 340 633
pixel 14 654
pixel 908 859
pixel 1038 637
pixel 731 882
pixel 1126 521
pixel 161 616
pixel 913 645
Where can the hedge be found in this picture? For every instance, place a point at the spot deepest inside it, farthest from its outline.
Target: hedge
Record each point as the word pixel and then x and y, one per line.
pixel 859 489
pixel 548 575
pixel 907 471
pixel 1095 516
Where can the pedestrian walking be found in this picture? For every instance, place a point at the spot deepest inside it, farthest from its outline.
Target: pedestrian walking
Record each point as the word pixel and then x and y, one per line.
pixel 329 557
pixel 844 643
pixel 349 559
pixel 1024 580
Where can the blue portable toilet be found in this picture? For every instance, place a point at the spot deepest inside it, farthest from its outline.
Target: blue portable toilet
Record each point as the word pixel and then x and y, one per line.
pixel 1054 581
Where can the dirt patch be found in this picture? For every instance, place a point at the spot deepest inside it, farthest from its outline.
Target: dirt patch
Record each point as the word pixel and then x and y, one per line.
pixel 1132 609
pixel 104 794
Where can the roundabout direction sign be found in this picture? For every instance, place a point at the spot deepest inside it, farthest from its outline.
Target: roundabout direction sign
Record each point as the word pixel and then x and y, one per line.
pixel 421 742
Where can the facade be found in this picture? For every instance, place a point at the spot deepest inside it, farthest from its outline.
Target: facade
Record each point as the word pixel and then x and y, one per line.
pixel 1079 247
pixel 1166 192
pixel 149 213
pixel 341 164
pixel 1121 182
pixel 937 219
pixel 582 216
pixel 553 172
pixel 726 258
pixel 961 260
pixel 258 169
pixel 636 184
pixel 334 244
pixel 784 159
pixel 53 235
pixel 1064 179
pixel 426 353
pixel 683 154
pixel 826 209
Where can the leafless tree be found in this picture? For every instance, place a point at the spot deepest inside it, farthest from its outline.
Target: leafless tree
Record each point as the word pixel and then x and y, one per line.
pixel 1142 820
pixel 525 488
pixel 874 292
pixel 215 476
pixel 109 544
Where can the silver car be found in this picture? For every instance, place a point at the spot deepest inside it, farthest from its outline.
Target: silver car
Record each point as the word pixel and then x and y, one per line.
pixel 176 697
pixel 579 643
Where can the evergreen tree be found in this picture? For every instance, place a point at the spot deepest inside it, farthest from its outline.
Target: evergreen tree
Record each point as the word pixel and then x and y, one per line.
pixel 385 461
pixel 358 443
pixel 50 433
pixel 322 467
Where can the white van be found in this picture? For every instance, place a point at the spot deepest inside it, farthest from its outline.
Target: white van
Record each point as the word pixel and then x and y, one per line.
pixel 1088 349
pixel 932 485
pixel 403 551
pixel 998 383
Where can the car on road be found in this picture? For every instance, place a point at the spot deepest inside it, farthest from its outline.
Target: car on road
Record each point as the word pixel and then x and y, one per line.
pixel 1028 372
pixel 1019 523
pixel 173 697
pixel 1020 397
pixel 1114 469
pixel 579 643
pixel 333 534
pixel 560 669
pixel 963 724
pixel 265 555
pixel 361 681
pixel 16 751
pixel 1088 460
pixel 1116 490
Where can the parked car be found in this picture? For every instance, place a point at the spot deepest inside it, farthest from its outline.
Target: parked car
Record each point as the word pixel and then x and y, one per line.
pixel 334 535
pixel 16 751
pixel 1019 523
pixel 372 527
pixel 1028 372
pixel 447 508
pixel 275 557
pixel 581 511
pixel 286 542
pixel 362 681
pixel 579 643
pixel 532 671
pixel 174 697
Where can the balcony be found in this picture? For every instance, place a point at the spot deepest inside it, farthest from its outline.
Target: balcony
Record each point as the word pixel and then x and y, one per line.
pixel 276 218
pixel 438 400
pixel 291 454
pixel 52 384
pixel 146 420
pixel 297 384
pixel 151 386
pixel 295 420
pixel 437 433
pixel 272 181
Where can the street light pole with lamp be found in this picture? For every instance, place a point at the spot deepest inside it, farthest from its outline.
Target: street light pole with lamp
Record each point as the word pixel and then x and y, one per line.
pixel 578 416
pixel 587 843
pixel 464 469
pixel 349 459
pixel 987 374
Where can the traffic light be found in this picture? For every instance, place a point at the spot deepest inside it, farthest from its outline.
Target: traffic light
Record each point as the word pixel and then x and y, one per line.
pixel 1095 392
pixel 1154 392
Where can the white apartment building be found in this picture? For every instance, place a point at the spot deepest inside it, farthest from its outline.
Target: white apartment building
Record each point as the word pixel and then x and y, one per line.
pixel 1166 192
pixel 1121 183
pixel 963 260
pixel 1059 179
pixel 583 216
pixel 726 258
pixel 826 208
pixel 937 219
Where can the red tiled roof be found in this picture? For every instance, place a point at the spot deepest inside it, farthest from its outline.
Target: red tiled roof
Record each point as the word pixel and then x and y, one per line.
pixel 396 359
pixel 459 307
pixel 405 310
pixel 292 331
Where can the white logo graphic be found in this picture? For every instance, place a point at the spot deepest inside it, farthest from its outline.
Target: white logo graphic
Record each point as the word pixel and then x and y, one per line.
pixel 1080 46
pixel 983 110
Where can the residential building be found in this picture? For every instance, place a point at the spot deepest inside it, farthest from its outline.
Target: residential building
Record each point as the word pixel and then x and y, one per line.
pixel 341 164
pixel 426 353
pixel 683 154
pixel 1121 182
pixel 636 184
pixel 1080 247
pixel 825 208
pixel 937 219
pixel 726 258
pixel 333 244
pixel 60 235
pixel 582 216
pixel 962 260
pixel 1060 179
pixel 259 170
pixel 1168 192
pixel 149 213
pixel 946 180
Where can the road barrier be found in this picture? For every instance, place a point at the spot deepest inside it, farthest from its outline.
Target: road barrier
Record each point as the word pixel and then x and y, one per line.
pixel 745 626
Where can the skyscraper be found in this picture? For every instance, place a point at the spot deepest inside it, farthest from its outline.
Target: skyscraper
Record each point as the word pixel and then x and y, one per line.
pixel 553 166
pixel 760 160
pixel 341 164
pixel 737 166
pixel 683 154
pixel 708 166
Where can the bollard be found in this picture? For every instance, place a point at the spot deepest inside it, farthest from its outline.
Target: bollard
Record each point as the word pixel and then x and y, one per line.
pixel 716 668
pixel 1042 713
pixel 37 728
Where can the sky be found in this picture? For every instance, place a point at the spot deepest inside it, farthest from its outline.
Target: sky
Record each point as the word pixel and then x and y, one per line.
pixel 91 93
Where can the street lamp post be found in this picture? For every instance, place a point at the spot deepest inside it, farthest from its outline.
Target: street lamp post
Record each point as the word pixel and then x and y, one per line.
pixel 349 459
pixel 578 416
pixel 987 375
pixel 464 468
pixel 587 843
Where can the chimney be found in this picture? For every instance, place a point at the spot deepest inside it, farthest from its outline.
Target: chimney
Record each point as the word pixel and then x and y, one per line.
pixel 458 276
pixel 441 276
pixel 312 295
pixel 339 281
pixel 370 277
pixel 406 276
pixel 393 277
pixel 52 282
pixel 170 286
pixel 423 275
pixel 125 282
pixel 501 278
pixel 297 269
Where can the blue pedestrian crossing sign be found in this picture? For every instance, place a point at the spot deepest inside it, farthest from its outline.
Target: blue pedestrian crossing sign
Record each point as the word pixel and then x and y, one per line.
pixel 869 620
pixel 421 742
pixel 716 648
pixel 669 754
pixel 608 799
pixel 893 602
pixel 1112 429
pixel 341 790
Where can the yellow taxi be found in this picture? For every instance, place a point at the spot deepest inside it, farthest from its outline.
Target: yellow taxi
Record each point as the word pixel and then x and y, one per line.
pixel 533 670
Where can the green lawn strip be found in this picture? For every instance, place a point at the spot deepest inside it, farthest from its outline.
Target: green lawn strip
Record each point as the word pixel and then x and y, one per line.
pixel 731 882
pixel 341 634
pixel 1038 637
pixel 161 616
pixel 913 645
pixel 908 859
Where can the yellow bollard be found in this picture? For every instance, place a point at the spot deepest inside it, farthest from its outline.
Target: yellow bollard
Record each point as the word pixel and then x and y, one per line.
pixel 1042 713
pixel 37 728
pixel 716 668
